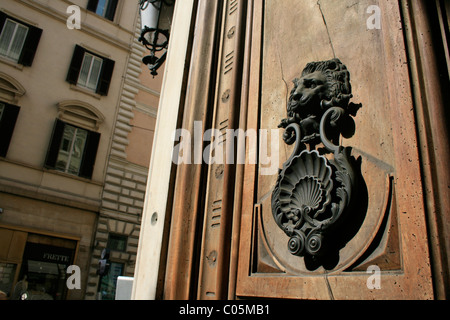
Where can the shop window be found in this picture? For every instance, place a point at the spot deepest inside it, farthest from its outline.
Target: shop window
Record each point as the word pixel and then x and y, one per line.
pixel 108 283
pixel 104 8
pixel 8 118
pixel 18 40
pixel 7 274
pixel 72 150
pixel 43 273
pixel 91 71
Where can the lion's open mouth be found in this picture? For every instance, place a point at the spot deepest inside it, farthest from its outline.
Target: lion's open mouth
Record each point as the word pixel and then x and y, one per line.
pixel 304 101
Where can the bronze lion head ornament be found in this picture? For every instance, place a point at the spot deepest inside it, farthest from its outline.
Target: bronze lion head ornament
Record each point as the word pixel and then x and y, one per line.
pixel 322 85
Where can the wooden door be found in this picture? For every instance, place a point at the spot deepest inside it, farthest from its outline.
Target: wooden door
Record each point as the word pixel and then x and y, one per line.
pixel 381 248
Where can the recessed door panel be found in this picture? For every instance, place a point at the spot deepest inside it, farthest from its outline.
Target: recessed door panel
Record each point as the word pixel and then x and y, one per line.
pixel 380 248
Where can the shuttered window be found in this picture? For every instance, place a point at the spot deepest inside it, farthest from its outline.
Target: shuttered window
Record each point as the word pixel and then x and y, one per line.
pixel 12 39
pixel 18 40
pixel 8 118
pixel 90 71
pixel 72 150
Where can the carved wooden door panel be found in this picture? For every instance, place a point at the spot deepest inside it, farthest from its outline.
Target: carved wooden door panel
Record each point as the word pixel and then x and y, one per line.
pixel 344 217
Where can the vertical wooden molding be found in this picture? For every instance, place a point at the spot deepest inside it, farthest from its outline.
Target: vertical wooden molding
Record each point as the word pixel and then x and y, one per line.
pixel 215 255
pixel 180 280
pixel 154 215
pixel 250 170
pixel 237 210
pixel 238 7
pixel 433 135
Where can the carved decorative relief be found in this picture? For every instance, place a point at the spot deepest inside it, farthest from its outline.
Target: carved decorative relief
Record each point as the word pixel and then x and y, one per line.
pixel 314 191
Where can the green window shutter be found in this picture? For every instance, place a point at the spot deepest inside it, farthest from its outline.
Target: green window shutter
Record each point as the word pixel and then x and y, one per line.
pixel 75 65
pixel 89 155
pixel 30 46
pixel 92 5
pixel 55 143
pixel 105 77
pixel 111 10
pixel 7 124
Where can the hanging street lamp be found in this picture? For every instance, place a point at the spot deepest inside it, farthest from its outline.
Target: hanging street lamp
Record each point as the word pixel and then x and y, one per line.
pixel 155 32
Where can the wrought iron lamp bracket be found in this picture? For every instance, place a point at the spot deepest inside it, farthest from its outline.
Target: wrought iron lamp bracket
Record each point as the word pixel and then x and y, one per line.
pixel 150 36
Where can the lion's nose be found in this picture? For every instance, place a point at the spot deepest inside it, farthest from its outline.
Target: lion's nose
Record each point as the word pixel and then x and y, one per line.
pixel 297 96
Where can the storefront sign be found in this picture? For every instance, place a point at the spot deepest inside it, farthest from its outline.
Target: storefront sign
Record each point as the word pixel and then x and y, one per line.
pixel 55 257
pixel 46 253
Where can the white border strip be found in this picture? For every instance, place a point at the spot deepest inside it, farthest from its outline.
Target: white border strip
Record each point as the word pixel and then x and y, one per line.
pixel 150 241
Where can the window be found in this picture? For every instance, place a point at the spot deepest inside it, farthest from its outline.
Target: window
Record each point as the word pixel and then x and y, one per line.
pixel 12 39
pixel 72 150
pixel 18 40
pixel 8 118
pixel 104 8
pixel 90 71
pixel 117 242
pixel 108 283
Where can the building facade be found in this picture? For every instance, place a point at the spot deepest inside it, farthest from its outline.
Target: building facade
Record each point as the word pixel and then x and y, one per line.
pixel 77 114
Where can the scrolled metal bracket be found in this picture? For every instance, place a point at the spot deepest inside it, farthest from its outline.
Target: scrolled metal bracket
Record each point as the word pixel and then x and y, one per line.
pixel 313 192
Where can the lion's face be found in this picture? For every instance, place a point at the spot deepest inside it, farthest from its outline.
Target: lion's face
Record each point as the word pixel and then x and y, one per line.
pixel 308 92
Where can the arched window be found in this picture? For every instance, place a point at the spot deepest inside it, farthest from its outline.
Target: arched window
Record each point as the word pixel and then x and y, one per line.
pixel 10 89
pixel 75 140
